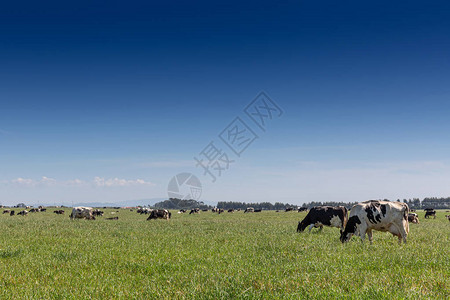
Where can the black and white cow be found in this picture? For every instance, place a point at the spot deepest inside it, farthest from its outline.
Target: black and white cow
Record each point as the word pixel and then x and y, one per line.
pixel 430 213
pixel 160 214
pixel 324 215
pixel 300 209
pixel 195 211
pixel 249 210
pixel 377 215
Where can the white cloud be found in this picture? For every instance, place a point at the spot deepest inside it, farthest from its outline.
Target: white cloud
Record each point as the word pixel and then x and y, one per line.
pixel 102 182
pixel 97 181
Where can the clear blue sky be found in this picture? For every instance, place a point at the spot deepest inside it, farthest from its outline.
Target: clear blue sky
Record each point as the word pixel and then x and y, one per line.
pixel 106 101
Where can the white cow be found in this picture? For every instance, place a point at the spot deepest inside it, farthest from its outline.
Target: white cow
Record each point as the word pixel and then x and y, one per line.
pixel 81 212
pixel 377 215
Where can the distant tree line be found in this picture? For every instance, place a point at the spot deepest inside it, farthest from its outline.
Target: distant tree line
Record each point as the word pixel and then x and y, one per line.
pixel 175 203
pixel 431 202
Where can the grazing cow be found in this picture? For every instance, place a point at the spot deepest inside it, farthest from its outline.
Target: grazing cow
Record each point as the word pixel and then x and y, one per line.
pixel 215 209
pixel 33 210
pixel 319 216
pixel 430 213
pixel 144 210
pixel 377 215
pixel 300 209
pixel 113 218
pixel 448 217
pixel 221 211
pixel 59 212
pixel 288 209
pixel 182 211
pixel 249 210
pixel 12 213
pixel 413 218
pixel 23 213
pixel 231 210
pixel 258 210
pixel 97 212
pixel 6 211
pixel 43 209
pixel 160 214
pixel 81 212
pixel 195 211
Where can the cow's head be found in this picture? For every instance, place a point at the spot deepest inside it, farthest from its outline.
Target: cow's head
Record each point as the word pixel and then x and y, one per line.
pixel 350 228
pixel 302 226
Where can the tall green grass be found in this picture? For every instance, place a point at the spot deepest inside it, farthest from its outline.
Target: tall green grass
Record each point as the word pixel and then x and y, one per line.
pixel 259 255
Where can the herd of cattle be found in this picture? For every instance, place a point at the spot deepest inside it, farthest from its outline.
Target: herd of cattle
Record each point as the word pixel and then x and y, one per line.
pixel 393 217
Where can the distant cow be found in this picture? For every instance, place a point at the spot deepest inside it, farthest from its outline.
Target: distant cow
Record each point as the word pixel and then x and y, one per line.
pixel 113 218
pixel 97 212
pixel 182 211
pixel 23 213
pixel 59 212
pixel 195 211
pixel 160 214
pixel 221 211
pixel 249 210
pixel 300 209
pixel 82 212
pixel 289 209
pixel 319 216
pixel 33 210
pixel 144 210
pixel 231 210
pixel 215 209
pixel 377 215
pixel 43 209
pixel 448 217
pixel 430 213
pixel 258 210
pixel 6 211
pixel 413 218
pixel 12 213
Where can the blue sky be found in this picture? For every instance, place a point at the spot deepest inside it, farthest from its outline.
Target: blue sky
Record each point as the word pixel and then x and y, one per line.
pixel 106 101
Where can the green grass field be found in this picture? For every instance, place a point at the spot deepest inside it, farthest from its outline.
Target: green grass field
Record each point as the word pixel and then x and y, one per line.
pixel 259 255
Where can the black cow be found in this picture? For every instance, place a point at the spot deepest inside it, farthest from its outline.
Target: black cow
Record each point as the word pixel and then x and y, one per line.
pixel 12 213
pixel 59 212
pixel 289 209
pixel 231 210
pixel 324 215
pixel 430 213
pixel 160 214
pixel 258 210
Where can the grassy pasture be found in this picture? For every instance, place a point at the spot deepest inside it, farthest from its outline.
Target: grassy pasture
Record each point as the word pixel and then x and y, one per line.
pixel 254 256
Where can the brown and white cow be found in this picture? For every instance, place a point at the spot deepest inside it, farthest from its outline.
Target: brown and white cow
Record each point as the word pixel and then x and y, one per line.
pixel 413 218
pixel 377 215
pixel 318 216
pixel 160 214
pixel 82 212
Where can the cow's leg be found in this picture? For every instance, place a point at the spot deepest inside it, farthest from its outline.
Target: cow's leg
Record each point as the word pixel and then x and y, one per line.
pixel 369 234
pixel 362 232
pixel 310 227
pixel 321 227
